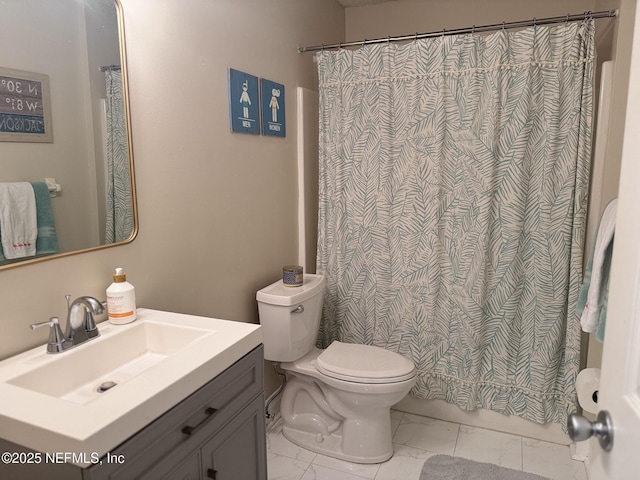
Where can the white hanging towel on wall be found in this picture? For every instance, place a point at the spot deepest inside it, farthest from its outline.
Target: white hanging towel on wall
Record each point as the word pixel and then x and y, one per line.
pixel 18 220
pixel 593 294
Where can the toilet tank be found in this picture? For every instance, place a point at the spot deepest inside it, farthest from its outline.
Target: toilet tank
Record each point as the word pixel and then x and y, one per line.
pixel 290 317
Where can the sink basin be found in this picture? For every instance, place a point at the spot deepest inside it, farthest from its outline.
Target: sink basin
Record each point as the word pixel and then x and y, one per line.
pixel 77 375
pixel 54 402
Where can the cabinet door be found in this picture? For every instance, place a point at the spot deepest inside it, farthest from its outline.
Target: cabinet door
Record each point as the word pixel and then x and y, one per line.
pixel 238 451
pixel 187 470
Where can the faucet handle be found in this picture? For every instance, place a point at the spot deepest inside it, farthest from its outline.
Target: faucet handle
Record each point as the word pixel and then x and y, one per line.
pixel 57 341
pixel 52 321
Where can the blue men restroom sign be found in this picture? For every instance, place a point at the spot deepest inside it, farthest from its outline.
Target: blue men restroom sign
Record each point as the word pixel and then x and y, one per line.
pixel 273 111
pixel 244 103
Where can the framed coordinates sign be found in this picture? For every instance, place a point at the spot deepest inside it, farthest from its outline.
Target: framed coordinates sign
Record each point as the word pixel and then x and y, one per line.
pixel 25 107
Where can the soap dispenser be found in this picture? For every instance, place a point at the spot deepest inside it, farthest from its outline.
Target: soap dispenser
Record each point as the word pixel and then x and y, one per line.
pixel 121 299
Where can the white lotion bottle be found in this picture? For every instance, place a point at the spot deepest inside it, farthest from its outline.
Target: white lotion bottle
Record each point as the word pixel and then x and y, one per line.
pixel 121 299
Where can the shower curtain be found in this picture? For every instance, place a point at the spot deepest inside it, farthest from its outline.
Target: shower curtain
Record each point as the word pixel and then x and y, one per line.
pixel 453 192
pixel 119 220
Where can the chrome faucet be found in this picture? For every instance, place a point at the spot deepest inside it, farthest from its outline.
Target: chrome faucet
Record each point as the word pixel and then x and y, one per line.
pixel 81 325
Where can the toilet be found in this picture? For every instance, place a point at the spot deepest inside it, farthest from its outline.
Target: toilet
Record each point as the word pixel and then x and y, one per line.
pixel 336 401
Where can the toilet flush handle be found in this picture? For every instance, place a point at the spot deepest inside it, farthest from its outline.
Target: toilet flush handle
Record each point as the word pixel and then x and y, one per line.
pixel 298 309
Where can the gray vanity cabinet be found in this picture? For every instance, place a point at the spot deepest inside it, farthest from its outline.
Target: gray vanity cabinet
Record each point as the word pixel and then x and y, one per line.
pixel 217 432
pixel 235 452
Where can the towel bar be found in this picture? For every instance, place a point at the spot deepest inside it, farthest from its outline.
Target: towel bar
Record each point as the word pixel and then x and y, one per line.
pixel 54 188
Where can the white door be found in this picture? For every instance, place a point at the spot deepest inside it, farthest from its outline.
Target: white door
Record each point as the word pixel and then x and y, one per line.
pixel 620 379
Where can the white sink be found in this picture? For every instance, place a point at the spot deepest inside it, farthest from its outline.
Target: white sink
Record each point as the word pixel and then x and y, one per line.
pixel 53 403
pixel 77 375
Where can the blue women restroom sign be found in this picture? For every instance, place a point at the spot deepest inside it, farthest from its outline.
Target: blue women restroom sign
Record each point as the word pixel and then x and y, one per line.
pixel 273 111
pixel 244 103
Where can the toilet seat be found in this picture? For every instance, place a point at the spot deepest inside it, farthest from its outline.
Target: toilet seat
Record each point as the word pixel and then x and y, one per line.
pixel 364 364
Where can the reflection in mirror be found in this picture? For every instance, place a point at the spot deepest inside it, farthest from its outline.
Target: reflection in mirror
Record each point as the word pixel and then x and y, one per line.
pixel 63 117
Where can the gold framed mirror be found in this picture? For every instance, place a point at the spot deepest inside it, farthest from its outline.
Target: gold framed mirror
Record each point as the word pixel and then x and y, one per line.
pixel 76 47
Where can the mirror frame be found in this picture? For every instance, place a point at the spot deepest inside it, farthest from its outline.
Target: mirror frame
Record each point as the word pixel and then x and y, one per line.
pixel 134 201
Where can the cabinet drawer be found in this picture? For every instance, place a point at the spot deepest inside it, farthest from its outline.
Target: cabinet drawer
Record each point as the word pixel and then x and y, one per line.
pixel 189 423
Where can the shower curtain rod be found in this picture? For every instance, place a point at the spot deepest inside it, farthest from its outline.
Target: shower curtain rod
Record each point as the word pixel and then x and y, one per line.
pixel 109 67
pixel 473 29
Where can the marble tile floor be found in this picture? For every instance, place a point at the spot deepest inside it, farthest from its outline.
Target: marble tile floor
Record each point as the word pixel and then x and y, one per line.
pixel 415 439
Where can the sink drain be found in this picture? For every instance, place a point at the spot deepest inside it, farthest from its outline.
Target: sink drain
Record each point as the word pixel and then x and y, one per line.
pixel 106 386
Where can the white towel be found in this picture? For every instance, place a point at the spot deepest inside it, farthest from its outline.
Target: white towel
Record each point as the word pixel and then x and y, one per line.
pixel 594 277
pixel 18 220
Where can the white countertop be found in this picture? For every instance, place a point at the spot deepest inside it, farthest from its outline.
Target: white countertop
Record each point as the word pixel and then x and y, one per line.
pixel 55 425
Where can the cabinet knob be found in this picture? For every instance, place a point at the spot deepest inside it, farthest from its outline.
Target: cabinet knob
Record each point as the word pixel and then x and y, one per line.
pixel 211 473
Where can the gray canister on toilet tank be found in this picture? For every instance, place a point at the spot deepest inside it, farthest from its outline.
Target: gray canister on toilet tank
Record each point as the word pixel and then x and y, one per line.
pixel 292 275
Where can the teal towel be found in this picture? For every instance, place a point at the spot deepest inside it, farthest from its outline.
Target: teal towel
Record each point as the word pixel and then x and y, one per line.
pixel 593 297
pixel 605 294
pixel 47 240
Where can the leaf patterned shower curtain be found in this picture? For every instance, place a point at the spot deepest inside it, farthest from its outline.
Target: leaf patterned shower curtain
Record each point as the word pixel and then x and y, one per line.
pixel 453 191
pixel 119 222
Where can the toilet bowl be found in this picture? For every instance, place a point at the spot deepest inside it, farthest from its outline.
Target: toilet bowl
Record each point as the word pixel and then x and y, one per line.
pixel 336 401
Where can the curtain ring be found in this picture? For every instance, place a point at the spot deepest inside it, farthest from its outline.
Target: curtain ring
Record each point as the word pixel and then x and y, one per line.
pixel 473 30
pixel 388 40
pixel 566 20
pixel 503 25
pixel 322 47
pixel 364 42
pixel 443 32
pixel 415 39
pixel 535 22
pixel 339 45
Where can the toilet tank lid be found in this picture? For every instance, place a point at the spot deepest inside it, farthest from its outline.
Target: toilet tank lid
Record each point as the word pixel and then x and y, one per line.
pixel 279 294
pixel 363 361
